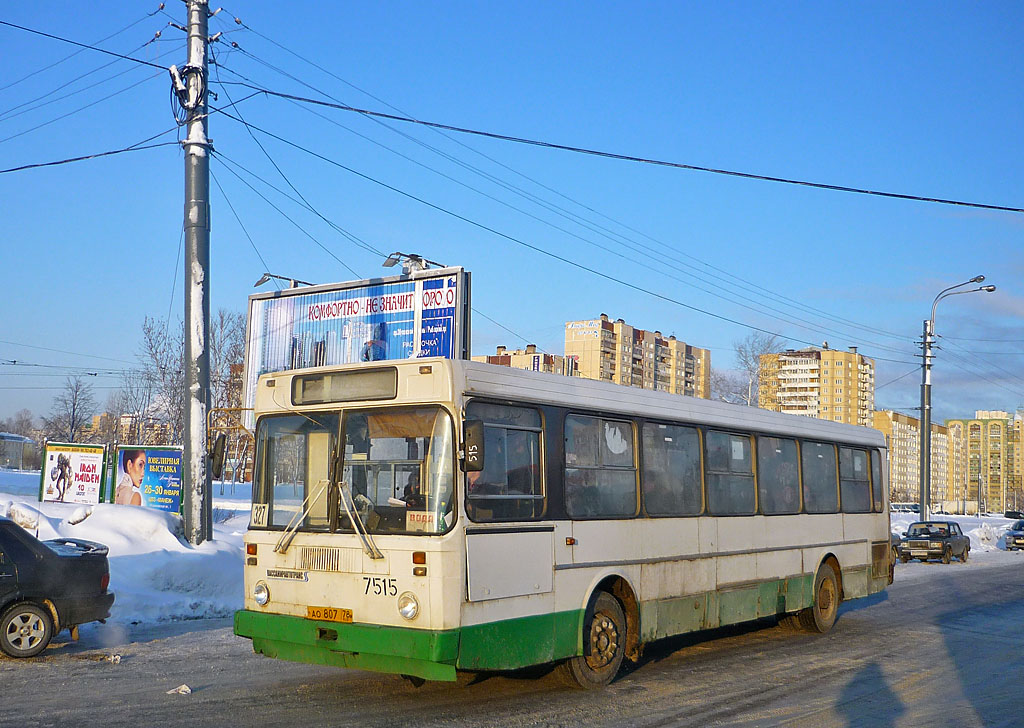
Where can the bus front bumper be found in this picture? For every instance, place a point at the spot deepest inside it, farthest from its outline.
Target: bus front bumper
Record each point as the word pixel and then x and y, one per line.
pixel 421 653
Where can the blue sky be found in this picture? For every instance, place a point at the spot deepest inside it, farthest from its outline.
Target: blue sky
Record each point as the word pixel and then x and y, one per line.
pixel 918 98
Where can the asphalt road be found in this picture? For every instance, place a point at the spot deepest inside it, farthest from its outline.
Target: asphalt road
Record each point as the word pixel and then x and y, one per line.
pixel 941 648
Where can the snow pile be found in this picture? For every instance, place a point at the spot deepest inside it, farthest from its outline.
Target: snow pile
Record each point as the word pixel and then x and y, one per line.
pixel 155 574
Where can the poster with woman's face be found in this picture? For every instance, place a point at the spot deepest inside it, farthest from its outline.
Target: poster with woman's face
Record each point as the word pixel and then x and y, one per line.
pixel 149 476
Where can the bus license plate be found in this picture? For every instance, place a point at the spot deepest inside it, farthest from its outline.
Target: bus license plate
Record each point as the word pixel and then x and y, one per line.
pixel 329 614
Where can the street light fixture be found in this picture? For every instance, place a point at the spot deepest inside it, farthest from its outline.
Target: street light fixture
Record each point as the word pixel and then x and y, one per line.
pixel 292 282
pixel 410 262
pixel 926 387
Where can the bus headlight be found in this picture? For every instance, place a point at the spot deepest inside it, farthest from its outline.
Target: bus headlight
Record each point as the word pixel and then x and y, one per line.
pixel 408 606
pixel 261 593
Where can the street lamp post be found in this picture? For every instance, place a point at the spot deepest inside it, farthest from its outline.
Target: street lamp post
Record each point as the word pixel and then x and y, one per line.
pixel 926 387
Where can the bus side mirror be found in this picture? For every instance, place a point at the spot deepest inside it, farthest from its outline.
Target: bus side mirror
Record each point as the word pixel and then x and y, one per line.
pixel 217 456
pixel 473 446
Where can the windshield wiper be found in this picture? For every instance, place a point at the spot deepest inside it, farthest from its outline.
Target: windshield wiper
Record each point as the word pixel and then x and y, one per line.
pixel 345 496
pixel 293 525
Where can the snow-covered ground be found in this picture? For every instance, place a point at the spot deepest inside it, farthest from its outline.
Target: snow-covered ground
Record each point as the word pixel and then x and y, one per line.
pixel 155 574
pixel 158 577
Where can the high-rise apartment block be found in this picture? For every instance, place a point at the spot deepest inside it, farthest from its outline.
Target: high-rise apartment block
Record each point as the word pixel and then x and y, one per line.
pixel 819 382
pixel 903 438
pixel 616 352
pixel 994 449
pixel 530 359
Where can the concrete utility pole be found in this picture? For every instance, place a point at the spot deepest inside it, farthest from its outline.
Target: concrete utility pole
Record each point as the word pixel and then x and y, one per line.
pixel 926 389
pixel 191 86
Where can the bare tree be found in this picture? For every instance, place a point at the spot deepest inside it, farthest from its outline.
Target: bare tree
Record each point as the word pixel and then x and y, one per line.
pixel 21 423
pixel 227 348
pixel 162 358
pixel 72 411
pixel 728 386
pixel 748 357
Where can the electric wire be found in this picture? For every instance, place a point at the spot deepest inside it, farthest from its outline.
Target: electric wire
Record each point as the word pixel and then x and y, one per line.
pixel 616 237
pixel 259 255
pixel 530 246
pixel 64 351
pixel 72 55
pixel 80 109
pixel 7 115
pixel 86 157
pixel 219 156
pixel 641 160
pixel 81 45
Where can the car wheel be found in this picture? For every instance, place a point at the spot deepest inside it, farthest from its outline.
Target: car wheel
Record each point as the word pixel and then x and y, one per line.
pixel 821 615
pixel 905 559
pixel 963 556
pixel 25 630
pixel 604 636
pixel 947 555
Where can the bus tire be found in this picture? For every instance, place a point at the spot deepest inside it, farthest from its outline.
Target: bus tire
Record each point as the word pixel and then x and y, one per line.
pixel 604 632
pixel 821 615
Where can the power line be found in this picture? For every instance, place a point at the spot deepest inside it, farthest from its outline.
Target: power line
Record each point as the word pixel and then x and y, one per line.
pixel 535 248
pixel 65 58
pixel 81 45
pixel 714 290
pixel 518 190
pixel 241 225
pixel 88 156
pixel 631 158
pixel 64 351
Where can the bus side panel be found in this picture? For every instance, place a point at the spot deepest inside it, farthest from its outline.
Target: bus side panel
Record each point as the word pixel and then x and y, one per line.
pixel 513 643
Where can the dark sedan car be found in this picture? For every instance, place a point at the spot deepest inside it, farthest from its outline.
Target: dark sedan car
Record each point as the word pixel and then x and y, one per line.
pixel 1014 538
pixel 934 540
pixel 47 586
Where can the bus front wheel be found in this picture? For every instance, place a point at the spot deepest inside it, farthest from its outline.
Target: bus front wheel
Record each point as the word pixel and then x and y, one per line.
pixel 821 615
pixel 604 644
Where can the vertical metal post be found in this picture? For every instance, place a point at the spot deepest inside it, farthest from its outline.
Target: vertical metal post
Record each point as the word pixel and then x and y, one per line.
pixel 926 418
pixel 197 281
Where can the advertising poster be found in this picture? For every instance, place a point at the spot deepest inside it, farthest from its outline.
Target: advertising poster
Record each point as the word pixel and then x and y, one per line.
pixel 72 473
pixel 404 317
pixel 149 477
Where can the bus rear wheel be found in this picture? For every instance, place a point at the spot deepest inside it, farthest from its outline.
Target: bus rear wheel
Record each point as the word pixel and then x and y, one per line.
pixel 604 644
pixel 821 615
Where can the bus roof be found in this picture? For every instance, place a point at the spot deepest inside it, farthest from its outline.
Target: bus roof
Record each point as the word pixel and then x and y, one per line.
pixel 492 380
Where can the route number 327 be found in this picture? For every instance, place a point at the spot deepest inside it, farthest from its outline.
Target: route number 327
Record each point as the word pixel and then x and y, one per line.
pixel 381 586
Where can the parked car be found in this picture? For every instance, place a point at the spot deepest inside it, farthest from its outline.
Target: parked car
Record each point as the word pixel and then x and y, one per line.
pixel 47 586
pixel 934 540
pixel 1013 514
pixel 1014 538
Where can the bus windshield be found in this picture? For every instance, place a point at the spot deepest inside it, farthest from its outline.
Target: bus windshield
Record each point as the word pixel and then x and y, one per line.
pixel 397 465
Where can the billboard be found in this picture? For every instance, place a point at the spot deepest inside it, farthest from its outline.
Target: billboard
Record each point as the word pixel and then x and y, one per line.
pixel 72 473
pixel 412 316
pixel 149 477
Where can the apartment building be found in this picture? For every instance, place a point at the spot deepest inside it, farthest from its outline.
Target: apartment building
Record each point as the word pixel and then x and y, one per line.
pixel 903 438
pixel 614 351
pixel 993 454
pixel 830 384
pixel 530 359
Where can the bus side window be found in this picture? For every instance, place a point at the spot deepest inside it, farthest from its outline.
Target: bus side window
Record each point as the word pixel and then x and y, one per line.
pixel 818 462
pixel 600 468
pixel 876 482
pixel 854 485
pixel 671 473
pixel 778 481
pixel 510 486
pixel 730 474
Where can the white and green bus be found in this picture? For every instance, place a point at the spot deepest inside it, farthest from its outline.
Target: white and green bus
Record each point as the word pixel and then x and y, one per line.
pixel 429 516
